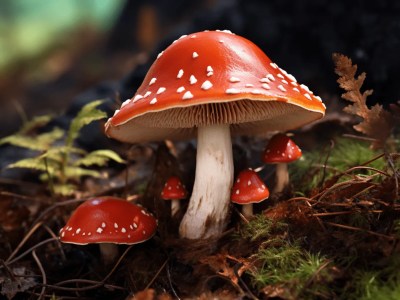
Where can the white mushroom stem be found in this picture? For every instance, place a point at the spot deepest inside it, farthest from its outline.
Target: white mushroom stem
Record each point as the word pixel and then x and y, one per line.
pixel 108 252
pixel 247 210
pixel 175 205
pixel 281 177
pixel 208 208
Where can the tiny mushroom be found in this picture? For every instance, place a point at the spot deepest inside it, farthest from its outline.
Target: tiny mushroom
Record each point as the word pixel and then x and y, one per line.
pixel 248 189
pixel 212 84
pixel 175 191
pixel 108 221
pixel 281 150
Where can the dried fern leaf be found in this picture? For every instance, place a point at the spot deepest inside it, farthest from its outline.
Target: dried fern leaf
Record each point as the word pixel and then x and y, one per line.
pixel 99 158
pixel 376 123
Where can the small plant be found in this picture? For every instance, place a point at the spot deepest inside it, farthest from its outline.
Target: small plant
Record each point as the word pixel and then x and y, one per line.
pixel 61 163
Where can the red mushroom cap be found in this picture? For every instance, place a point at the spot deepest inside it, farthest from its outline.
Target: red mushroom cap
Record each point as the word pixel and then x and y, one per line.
pixel 108 220
pixel 281 149
pixel 213 77
pixel 173 189
pixel 249 188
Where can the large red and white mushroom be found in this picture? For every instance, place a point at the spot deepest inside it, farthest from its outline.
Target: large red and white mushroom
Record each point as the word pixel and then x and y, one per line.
pixel 175 191
pixel 212 84
pixel 281 150
pixel 248 189
pixel 108 221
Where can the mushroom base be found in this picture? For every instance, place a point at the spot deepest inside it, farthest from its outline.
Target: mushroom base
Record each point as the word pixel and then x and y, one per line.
pixel 208 208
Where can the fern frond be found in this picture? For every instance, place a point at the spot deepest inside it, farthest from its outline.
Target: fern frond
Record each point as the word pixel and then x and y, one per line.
pixel 99 158
pixel 67 189
pixel 40 142
pixel 77 172
pixel 86 115
pixel 36 122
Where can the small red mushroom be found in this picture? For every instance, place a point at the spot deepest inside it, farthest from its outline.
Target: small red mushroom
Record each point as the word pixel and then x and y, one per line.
pixel 248 189
pixel 175 191
pixel 108 221
pixel 212 84
pixel 281 150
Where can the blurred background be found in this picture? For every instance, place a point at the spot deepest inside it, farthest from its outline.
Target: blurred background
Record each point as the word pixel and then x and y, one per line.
pixel 57 54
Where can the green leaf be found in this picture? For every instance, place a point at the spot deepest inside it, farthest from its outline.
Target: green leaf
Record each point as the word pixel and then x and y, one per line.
pixel 99 158
pixel 36 122
pixel 34 163
pixel 86 115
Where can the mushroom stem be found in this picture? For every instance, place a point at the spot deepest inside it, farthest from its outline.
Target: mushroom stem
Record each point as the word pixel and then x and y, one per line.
pixel 208 208
pixel 247 210
pixel 108 252
pixel 175 205
pixel 282 177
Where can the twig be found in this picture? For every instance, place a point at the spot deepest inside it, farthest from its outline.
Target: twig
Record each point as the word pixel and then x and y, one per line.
pixel 44 278
pixel 170 283
pixel 58 241
pixel 44 242
pixel 156 275
pixel 360 229
pixel 26 237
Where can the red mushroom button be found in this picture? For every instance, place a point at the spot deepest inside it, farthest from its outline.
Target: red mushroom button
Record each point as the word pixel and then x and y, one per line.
pixel 108 220
pixel 248 189
pixel 212 84
pixel 281 150
pixel 175 191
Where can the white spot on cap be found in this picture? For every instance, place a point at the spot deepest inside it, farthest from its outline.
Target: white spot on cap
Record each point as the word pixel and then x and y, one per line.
pixel 115 112
pixel 69 229
pixel 234 79
pixel 125 102
pixel 227 31
pixel 294 83
pixel 206 85
pixel 270 77
pixel 266 86
pixel 193 36
pixel 152 81
pixel 153 101
pixel 210 74
pixel 291 77
pixel 89 233
pixel 232 91
pixel 324 105
pixel 123 230
pixel 180 89
pixel 265 80
pixel 115 225
pixel 103 224
pixel 161 90
pixel 237 192
pixel 148 93
pixel 263 187
pixel 169 188
pixel 192 79
pixel 144 232
pixel 137 97
pixel 135 225
pixel 159 54
pixel 249 85
pixel 273 65
pixel 249 182
pixel 131 227
pixel 195 55
pixel 303 86
pixel 221 41
pixel 256 92
pixel 63 234
pixel 280 76
pixel 187 95
pixel 210 69
pixel 281 88
pixel 99 230
pixel 307 96
pixel 284 81
pixel 318 98
pixel 183 36
pixel 296 89
pixel 180 74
